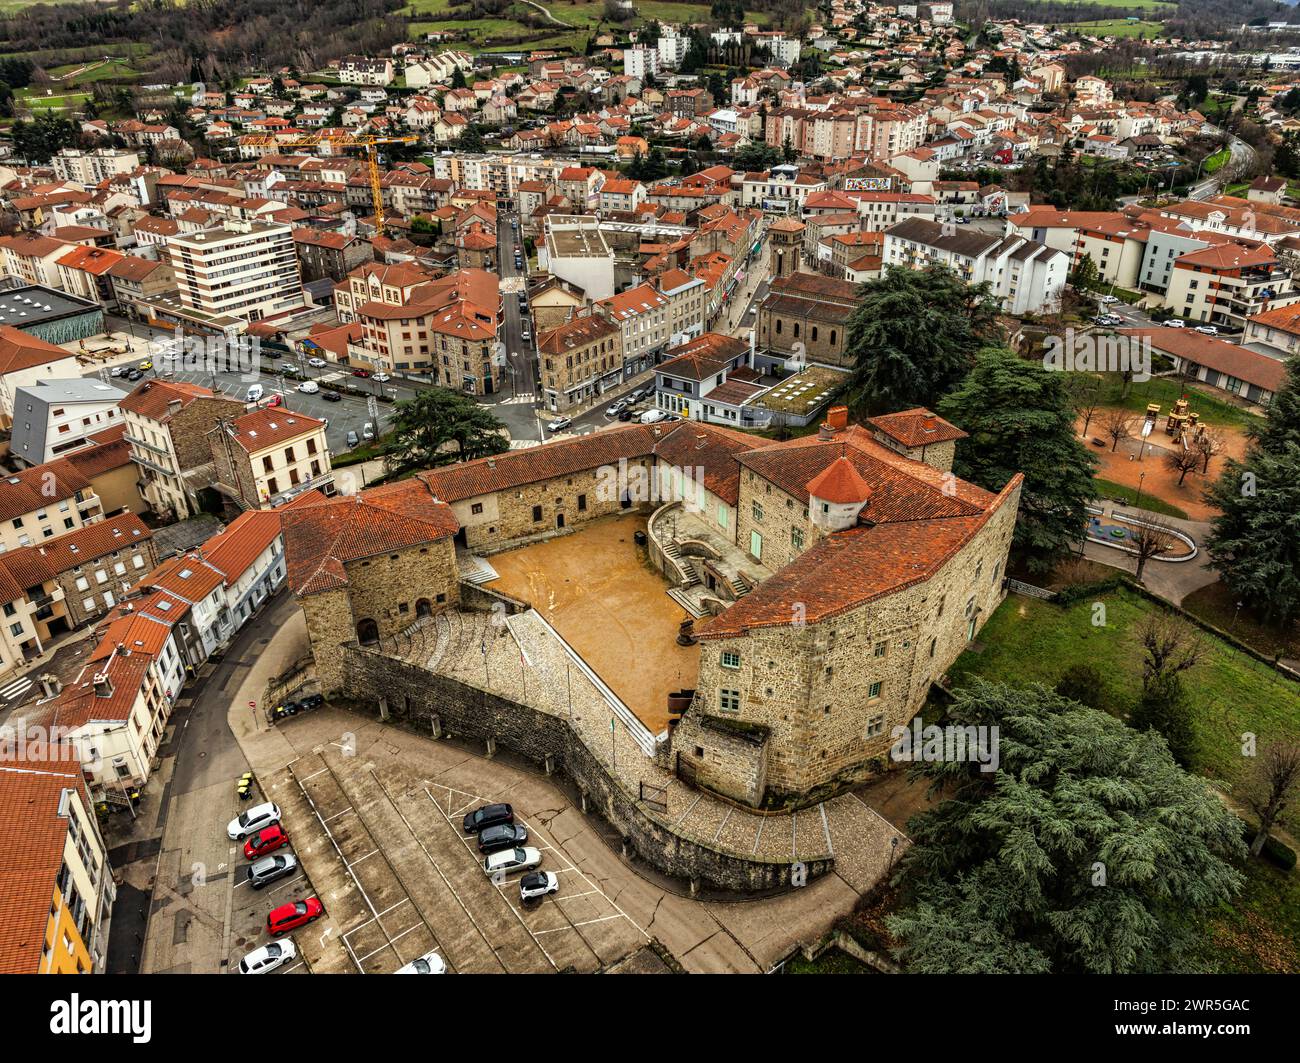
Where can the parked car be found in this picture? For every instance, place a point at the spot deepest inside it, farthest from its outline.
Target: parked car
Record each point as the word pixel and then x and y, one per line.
pixel 1110 299
pixel 293 915
pixel 265 841
pixel 508 861
pixel 309 387
pixel 368 430
pixel 274 401
pixel 1209 330
pixel 537 884
pixel 119 370
pixel 331 396
pixel 653 417
pixel 1174 322
pixel 269 868
pixel 487 816
pixel 317 363
pixel 289 367
pixel 626 415
pixel 559 424
pixel 615 408
pixel 146 364
pixel 502 836
pixel 255 392
pixel 251 820
pixel 429 963
pixel 638 394
pixel 524 334
pixel 268 958
pixel 361 372
pixel 352 439
pixel 133 375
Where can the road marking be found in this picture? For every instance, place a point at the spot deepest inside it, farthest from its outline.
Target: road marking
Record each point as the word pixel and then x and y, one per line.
pixel 574 926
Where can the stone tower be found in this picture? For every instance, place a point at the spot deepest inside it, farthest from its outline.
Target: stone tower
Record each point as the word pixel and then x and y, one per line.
pixel 784 243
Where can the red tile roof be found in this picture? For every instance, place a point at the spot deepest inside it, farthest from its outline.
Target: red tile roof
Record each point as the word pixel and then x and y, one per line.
pixel 150 397
pixel 916 428
pixel 320 539
pixel 272 426
pixel 242 541
pixel 18 350
pixel 839 483
pixel 39 487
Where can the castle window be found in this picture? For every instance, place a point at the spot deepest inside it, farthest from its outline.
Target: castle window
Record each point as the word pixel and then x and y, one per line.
pixel 873 691
pixel 476 507
pixel 730 659
pixel 979 567
pixel 403 607
pixel 758 512
pixel 699 752
pixel 934 645
pixel 939 613
pixel 881 649
pixel 997 573
pixel 537 513
pixel 875 726
pixel 796 538
pixel 729 700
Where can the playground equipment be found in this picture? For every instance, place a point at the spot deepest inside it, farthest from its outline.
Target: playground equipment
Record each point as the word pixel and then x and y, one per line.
pixel 1182 421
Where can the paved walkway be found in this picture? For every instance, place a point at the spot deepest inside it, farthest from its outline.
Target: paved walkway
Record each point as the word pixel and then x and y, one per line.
pixel 1171 580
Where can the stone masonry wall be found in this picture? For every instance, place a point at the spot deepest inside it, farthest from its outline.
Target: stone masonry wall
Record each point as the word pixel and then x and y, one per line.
pixel 415 697
pixel 731 764
pixel 506 517
pixel 812 685
pixel 190 427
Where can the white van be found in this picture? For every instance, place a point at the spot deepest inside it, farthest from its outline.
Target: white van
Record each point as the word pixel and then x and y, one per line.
pixel 255 393
pixel 653 416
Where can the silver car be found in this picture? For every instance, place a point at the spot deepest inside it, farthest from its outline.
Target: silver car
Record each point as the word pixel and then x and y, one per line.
pixel 269 868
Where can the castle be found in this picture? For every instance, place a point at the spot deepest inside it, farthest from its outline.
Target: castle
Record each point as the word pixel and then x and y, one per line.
pixel 848 571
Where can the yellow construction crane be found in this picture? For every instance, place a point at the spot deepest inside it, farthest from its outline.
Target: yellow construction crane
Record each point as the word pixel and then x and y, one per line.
pixel 339 141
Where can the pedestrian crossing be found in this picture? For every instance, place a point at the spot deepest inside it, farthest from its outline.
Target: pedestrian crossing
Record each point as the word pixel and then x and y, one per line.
pixel 524 444
pixel 16 689
pixel 518 400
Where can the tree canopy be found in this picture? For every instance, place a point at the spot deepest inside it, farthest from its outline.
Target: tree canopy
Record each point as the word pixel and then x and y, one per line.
pixel 1255 541
pixel 1020 418
pixel 1084 852
pixel 913 336
pixel 425 424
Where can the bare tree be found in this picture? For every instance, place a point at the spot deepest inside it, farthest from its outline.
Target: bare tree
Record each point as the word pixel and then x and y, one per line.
pixel 1117 424
pixel 1209 443
pixel 1170 646
pixel 1272 783
pixel 1153 539
pixel 1086 391
pixel 1183 460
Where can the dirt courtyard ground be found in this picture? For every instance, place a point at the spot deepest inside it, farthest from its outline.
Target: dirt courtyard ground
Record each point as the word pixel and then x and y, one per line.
pixel 597 588
pixel 1123 466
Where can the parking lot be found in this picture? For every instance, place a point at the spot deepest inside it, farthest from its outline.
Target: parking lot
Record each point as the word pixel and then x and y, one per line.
pixel 385 852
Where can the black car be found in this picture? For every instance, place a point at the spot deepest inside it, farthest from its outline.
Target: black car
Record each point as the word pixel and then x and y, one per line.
pixel 625 415
pixel 502 836
pixel 331 396
pixel 134 375
pixel 488 816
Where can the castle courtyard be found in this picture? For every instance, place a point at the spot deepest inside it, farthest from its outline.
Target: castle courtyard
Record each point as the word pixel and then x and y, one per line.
pixel 598 589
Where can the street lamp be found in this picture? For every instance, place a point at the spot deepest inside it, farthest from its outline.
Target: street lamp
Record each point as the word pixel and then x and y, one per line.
pixel 1138 503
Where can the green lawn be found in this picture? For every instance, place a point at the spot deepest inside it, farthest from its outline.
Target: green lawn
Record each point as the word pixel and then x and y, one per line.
pixel 832 961
pixel 1165 390
pixel 1214 163
pixel 1217 605
pixel 1259 931
pixel 1118 27
pixel 1028 641
pixel 57 100
pixel 1110 489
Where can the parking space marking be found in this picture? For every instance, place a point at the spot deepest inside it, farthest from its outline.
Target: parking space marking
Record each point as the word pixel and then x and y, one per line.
pixel 585 922
pixel 360 858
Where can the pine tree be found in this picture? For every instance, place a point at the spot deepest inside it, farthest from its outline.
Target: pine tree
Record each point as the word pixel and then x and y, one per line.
pixel 1021 419
pixel 1085 851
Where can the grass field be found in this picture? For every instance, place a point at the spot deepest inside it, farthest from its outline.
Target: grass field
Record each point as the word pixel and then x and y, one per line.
pixel 1128 495
pixel 60 100
pixel 1118 27
pixel 1166 390
pixel 1030 641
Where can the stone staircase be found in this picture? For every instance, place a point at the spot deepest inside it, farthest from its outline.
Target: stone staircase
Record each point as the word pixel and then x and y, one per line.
pixel 672 551
pixel 739 585
pixel 474 569
pixel 687 602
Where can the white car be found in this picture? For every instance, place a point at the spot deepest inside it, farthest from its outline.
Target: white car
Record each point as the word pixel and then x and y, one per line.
pixel 317 363
pixel 653 417
pixel 1209 330
pixel 508 861
pixel 429 963
pixel 309 387
pixel 1174 322
pixel 537 884
pixel 381 378
pixel 268 957
pixel 252 820
pixel 558 425
pixel 1110 298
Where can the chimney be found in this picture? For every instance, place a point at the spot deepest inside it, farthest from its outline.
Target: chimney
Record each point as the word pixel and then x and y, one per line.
pixel 51 686
pixel 837 418
pixel 173 407
pixel 103 685
pixel 492 463
pixel 928 423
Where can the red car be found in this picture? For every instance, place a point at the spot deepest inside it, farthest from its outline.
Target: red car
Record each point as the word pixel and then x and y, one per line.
pixel 275 400
pixel 361 372
pixel 267 840
pixel 293 915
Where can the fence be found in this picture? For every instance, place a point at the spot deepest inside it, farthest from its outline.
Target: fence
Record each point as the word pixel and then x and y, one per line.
pixel 654 797
pixel 1028 589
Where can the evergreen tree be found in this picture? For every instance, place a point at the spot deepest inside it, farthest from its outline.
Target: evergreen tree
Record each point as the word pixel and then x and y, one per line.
pixel 1163 707
pixel 423 425
pixel 1083 852
pixel 1021 419
pixel 913 336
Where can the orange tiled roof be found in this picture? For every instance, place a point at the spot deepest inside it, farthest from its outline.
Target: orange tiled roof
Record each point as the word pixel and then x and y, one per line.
pixel 917 427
